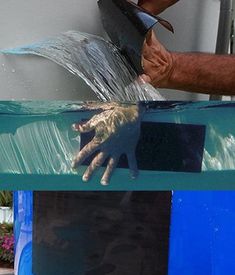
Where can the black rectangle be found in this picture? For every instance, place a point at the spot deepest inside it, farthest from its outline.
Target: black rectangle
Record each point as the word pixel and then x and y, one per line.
pixel 99 233
pixel 165 147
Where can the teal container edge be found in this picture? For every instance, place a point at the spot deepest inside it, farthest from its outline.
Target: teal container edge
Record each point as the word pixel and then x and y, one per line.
pixel 146 181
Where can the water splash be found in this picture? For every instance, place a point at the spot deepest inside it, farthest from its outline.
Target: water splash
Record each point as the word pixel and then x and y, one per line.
pixel 37 148
pixel 97 61
pixel 223 155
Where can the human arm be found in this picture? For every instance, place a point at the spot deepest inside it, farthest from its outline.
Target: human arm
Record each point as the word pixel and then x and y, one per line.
pixel 193 72
pixel 203 73
pixel 156 6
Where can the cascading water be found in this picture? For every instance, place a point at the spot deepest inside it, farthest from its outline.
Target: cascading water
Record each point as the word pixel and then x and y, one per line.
pixel 37 148
pixel 97 61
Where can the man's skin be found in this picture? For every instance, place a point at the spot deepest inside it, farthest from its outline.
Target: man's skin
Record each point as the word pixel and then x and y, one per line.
pixel 117 130
pixel 193 72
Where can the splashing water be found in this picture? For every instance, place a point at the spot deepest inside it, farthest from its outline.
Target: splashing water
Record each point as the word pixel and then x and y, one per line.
pixel 223 157
pixel 97 61
pixel 37 148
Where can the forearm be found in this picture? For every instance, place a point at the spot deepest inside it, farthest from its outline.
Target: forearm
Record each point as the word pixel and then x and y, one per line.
pixel 202 73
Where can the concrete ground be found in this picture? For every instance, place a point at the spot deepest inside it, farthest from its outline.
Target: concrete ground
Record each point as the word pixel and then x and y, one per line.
pixel 6 271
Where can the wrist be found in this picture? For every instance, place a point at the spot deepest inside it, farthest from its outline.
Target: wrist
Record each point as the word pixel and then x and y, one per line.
pixel 173 69
pixel 169 74
pixel 179 71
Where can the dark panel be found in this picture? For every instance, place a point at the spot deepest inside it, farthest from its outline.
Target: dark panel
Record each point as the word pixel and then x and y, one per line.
pixel 101 233
pixel 165 147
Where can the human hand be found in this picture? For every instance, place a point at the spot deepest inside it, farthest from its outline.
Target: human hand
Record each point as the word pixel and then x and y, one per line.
pixel 156 6
pixel 117 131
pixel 157 62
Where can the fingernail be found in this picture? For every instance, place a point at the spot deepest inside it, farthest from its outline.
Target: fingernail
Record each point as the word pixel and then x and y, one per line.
pixel 85 178
pixel 104 182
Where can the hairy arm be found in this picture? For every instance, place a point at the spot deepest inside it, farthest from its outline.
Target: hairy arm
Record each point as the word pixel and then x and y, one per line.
pixel 203 73
pixel 193 72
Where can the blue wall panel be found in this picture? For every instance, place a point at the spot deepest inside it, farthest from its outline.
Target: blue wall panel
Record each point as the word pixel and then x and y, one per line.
pixel 202 237
pixel 23 221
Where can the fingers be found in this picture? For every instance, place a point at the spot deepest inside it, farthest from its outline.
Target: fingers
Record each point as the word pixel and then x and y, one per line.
pixel 89 149
pixel 113 161
pixel 92 123
pixel 96 163
pixel 83 127
pixel 99 160
pixel 148 67
pixel 144 78
pixel 132 165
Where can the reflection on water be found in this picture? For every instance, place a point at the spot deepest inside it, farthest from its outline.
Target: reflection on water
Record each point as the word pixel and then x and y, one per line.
pixel 97 61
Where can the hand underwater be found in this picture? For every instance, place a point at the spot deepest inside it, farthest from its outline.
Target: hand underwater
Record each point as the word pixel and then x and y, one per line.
pixel 117 130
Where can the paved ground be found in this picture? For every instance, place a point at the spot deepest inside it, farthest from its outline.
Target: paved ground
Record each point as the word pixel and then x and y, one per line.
pixel 6 271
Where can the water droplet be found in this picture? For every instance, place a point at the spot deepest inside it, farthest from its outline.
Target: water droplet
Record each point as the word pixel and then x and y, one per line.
pixel 13 70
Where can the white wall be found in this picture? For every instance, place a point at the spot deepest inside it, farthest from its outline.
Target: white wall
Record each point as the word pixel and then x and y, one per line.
pixel 27 21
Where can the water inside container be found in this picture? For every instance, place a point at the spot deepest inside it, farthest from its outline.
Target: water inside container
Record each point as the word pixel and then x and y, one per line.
pixel 36 137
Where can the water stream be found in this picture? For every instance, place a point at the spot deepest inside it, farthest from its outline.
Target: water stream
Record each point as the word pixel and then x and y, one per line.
pixel 98 62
